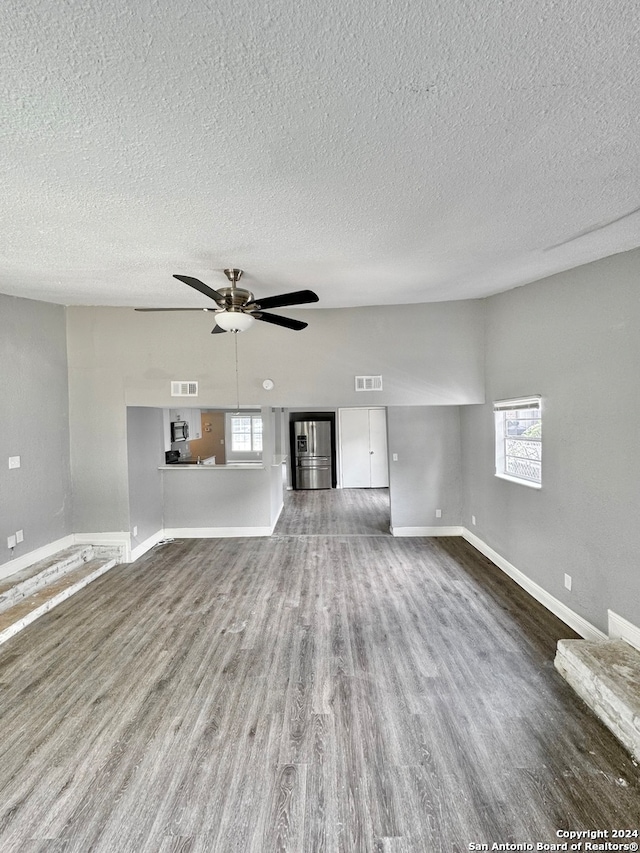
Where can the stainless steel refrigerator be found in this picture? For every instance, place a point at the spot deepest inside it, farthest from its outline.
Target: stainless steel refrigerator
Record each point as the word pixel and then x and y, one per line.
pixel 312 454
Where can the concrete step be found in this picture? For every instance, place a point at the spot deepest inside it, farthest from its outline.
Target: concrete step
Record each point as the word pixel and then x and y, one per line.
pixel 23 583
pixel 606 675
pixel 40 588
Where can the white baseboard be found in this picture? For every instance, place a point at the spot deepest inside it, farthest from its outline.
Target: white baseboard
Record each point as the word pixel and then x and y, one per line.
pixel 426 531
pixel 147 545
pixel 625 630
pixel 215 532
pixel 42 553
pixel 118 539
pixel 277 518
pixel 579 624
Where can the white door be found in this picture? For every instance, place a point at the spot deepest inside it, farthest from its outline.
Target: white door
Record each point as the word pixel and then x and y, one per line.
pixel 363 448
pixel 378 462
pixel 354 448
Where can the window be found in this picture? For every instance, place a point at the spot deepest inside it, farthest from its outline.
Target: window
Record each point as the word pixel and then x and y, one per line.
pixel 519 440
pixel 246 433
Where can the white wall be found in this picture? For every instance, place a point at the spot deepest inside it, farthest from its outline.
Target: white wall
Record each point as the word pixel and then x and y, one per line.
pixel 575 339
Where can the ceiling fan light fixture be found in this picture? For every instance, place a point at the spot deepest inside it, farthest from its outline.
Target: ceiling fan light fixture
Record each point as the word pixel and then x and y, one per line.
pixel 234 321
pixel 236 308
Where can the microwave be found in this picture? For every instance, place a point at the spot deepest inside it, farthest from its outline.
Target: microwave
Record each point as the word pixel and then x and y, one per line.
pixel 179 431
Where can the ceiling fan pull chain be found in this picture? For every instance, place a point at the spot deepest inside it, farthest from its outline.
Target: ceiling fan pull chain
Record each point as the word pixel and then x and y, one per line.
pixel 235 346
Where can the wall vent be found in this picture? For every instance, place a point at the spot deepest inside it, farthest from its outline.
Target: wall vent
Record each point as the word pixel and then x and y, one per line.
pixel 184 389
pixel 368 383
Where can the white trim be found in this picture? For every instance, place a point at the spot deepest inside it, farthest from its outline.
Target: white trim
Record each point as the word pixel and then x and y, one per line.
pixel 426 531
pixel 145 546
pixel 625 630
pixel 277 518
pixel 215 532
pixel 579 624
pixel 533 402
pixel 26 560
pixel 519 480
pixel 28 618
pixel 120 539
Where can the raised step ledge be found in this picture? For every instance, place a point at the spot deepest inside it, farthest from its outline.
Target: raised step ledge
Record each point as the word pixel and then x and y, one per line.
pixel 606 675
pixel 27 610
pixel 21 584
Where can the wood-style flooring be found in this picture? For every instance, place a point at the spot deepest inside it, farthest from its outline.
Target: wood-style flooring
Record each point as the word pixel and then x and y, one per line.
pixel 349 512
pixel 318 691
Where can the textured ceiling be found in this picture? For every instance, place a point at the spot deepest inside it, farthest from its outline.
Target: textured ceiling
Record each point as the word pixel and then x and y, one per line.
pixel 376 152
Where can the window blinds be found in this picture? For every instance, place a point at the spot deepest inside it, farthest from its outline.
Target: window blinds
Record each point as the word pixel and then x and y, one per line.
pixel 518 403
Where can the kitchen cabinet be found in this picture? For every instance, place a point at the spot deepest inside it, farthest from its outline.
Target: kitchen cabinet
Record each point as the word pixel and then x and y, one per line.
pixel 192 417
pixel 363 448
pixel 194 420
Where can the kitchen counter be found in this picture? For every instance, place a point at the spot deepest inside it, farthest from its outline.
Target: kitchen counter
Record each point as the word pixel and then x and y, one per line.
pixel 230 466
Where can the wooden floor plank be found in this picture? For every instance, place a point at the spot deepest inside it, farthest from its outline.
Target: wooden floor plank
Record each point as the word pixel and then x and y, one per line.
pixel 327 689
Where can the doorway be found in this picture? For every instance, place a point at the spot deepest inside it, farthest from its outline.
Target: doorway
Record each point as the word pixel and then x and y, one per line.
pixel 335 512
pixel 361 506
pixel 327 418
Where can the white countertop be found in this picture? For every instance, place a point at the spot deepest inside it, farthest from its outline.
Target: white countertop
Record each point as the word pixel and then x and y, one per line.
pixel 234 466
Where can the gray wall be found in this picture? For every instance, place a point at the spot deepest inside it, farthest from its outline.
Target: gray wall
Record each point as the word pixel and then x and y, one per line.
pixel 217 498
pixel 427 354
pixel 575 339
pixel 427 474
pixel 145 451
pixel 34 424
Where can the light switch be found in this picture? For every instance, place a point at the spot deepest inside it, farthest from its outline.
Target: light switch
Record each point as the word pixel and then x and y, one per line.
pixel 14 462
pixel 395 457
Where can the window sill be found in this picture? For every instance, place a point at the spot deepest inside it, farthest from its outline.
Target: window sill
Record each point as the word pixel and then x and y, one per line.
pixel 530 484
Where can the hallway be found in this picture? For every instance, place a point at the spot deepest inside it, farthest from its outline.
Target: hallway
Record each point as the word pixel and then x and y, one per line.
pixel 333 512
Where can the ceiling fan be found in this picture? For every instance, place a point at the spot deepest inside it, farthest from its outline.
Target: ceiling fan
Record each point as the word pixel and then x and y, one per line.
pixel 237 308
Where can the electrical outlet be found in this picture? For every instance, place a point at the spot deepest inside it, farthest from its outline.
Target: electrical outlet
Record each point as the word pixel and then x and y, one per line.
pixel 11 541
pixel 567 582
pixel 473 520
pixel 135 529
pixel 14 462
pixel 19 536
pixel 438 513
pixel 395 457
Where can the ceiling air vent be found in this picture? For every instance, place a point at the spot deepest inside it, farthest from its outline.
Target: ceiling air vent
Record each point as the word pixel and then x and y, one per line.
pixel 184 389
pixel 368 383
